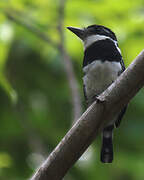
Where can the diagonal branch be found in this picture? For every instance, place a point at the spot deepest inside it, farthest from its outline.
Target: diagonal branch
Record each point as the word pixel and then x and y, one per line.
pixel 13 16
pixel 85 130
pixel 67 63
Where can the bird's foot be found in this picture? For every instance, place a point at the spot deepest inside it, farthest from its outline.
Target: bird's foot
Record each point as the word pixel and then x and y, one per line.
pixel 98 99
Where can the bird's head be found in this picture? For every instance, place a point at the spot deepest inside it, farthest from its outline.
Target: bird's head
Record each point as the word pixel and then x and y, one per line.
pixel 93 33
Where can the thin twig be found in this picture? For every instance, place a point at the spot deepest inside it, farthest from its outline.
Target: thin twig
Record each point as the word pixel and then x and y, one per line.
pixel 32 28
pixel 85 130
pixel 76 98
pixel 68 66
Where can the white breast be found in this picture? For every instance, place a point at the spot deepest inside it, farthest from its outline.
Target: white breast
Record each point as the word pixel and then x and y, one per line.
pixel 98 76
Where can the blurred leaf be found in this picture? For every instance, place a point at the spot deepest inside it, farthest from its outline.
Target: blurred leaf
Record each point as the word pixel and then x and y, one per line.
pixel 5 160
pixel 6 33
pixel 7 87
pixel 35 70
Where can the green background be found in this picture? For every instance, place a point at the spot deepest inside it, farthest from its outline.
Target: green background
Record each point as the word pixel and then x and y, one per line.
pixel 35 99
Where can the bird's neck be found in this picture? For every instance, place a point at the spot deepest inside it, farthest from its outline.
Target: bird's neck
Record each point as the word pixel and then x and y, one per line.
pixel 104 50
pixel 94 38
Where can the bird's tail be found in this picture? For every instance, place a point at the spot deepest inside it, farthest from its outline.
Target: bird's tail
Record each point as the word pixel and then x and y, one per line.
pixel 107 145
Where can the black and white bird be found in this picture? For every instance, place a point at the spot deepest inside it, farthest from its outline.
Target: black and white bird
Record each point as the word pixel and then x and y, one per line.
pixel 102 65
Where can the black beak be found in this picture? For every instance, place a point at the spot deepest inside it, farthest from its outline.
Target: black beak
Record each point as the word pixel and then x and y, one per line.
pixel 79 32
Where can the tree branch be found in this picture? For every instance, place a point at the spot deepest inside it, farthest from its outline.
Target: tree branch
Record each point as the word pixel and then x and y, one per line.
pixel 76 100
pixel 15 16
pixel 85 130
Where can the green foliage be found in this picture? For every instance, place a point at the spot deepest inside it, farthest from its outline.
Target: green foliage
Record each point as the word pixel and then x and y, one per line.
pixel 33 76
pixel 5 37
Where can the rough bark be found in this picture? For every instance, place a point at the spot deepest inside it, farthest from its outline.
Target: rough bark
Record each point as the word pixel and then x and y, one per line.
pixel 85 130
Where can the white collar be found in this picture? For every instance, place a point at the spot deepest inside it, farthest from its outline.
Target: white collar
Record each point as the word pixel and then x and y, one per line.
pixel 94 38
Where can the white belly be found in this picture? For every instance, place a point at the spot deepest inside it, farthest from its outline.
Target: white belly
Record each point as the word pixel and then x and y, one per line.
pixel 98 76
